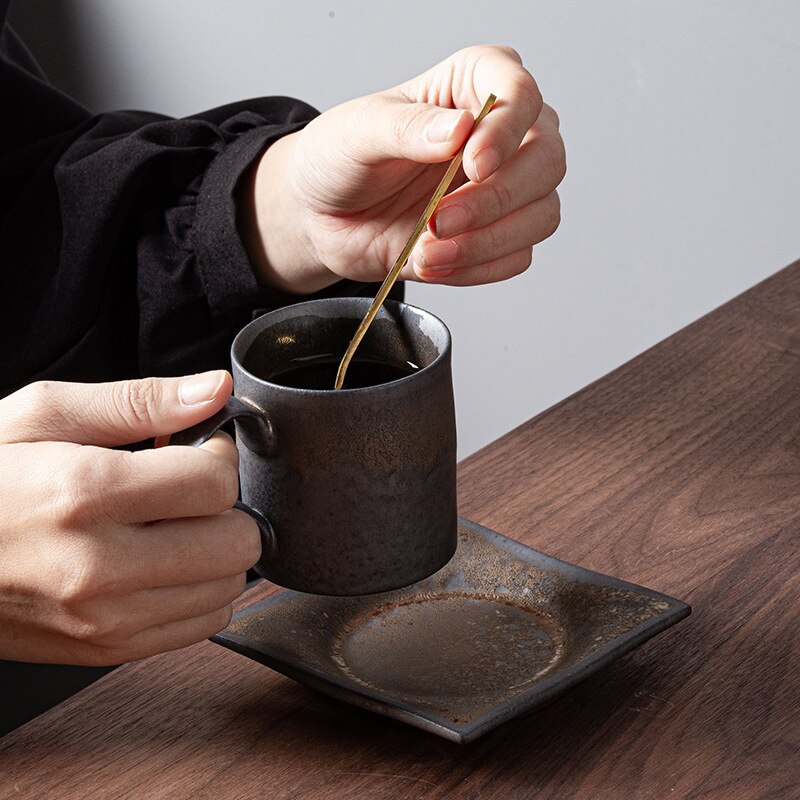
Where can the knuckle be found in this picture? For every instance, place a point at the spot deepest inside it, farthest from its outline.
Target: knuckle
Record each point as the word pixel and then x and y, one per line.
pixel 195 607
pixel 552 115
pixel 525 84
pixel 93 622
pixel 82 580
pixel 510 52
pixel 556 162
pixel 497 241
pixel 87 573
pixel 237 585
pixel 527 92
pixel 496 49
pixel 502 198
pixel 220 619
pixel 225 448
pixel 403 127
pixel 222 486
pixel 245 540
pixel 105 653
pixel 471 51
pixel 26 407
pixel 213 480
pixel 230 484
pixel 87 620
pixel 225 591
pixel 88 629
pixel 136 400
pixel 34 395
pixel 524 261
pixel 252 549
pixel 552 214
pixel 81 490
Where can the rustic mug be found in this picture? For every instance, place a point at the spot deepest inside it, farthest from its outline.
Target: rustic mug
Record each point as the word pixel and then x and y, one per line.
pixel 354 491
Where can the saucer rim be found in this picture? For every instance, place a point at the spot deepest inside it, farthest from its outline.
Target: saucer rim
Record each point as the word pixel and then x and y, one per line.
pixel 542 692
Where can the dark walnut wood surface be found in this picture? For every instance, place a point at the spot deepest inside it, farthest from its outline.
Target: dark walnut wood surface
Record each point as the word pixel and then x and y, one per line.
pixel 679 471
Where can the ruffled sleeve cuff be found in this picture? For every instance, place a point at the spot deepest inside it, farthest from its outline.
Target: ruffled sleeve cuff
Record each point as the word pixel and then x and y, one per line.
pixel 225 270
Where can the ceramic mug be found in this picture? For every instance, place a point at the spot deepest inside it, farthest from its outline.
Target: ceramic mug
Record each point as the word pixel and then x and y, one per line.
pixel 354 490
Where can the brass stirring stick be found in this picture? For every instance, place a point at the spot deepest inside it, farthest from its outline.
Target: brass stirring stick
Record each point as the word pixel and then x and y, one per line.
pixel 389 280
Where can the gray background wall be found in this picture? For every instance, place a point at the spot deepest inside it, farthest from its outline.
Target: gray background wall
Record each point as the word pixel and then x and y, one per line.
pixel 682 124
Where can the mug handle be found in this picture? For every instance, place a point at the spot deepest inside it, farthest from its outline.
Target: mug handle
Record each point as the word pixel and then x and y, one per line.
pixel 255 433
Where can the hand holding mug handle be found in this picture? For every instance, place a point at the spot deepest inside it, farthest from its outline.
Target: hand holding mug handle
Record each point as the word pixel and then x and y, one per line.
pixel 255 432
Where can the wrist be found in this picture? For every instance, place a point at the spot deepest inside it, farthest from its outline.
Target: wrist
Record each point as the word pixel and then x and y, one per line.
pixel 273 225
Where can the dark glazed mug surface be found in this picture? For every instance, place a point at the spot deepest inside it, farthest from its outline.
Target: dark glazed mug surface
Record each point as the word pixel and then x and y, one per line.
pixel 359 485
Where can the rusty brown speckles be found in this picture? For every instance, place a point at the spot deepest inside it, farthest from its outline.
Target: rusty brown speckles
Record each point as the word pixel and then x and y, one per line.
pixel 497 631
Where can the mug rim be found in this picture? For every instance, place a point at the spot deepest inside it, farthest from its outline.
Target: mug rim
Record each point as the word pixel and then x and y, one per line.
pixel 236 361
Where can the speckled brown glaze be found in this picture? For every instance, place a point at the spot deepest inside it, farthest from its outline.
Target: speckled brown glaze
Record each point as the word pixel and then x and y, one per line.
pixel 359 485
pixel 500 630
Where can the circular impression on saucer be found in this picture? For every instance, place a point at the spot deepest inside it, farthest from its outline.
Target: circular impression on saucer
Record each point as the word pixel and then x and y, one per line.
pixel 453 644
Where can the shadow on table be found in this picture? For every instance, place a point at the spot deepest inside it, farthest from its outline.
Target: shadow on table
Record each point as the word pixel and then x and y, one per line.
pixel 575 733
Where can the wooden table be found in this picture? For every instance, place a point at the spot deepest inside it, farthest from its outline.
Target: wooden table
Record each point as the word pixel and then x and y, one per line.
pixel 679 471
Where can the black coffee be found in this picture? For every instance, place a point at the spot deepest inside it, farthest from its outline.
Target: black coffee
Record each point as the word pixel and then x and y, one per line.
pixel 319 372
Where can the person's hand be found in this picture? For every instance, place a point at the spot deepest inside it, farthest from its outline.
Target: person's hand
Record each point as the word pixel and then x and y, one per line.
pixel 341 197
pixel 108 556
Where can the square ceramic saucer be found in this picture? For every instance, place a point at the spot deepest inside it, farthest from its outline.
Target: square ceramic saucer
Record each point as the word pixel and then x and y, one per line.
pixel 500 631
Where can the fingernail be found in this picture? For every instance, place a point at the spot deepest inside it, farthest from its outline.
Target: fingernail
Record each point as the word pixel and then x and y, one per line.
pixel 431 275
pixel 195 390
pixel 485 161
pixel 437 254
pixel 451 220
pixel 442 126
pixel 437 275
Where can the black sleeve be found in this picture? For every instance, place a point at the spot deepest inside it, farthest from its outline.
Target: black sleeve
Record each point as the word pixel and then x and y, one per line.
pixel 120 251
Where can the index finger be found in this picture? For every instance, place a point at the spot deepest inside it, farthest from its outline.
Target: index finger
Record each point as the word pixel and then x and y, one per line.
pixel 499 71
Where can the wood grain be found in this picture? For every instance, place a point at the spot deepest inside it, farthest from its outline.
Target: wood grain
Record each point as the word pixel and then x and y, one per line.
pixel 680 471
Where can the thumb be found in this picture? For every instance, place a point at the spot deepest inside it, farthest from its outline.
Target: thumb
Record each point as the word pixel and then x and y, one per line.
pixel 109 414
pixel 389 127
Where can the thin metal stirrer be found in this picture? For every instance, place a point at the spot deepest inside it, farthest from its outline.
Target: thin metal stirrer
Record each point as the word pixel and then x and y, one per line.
pixel 390 279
